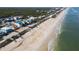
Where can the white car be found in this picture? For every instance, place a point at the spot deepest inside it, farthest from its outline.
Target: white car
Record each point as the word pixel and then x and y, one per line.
pixel 5 31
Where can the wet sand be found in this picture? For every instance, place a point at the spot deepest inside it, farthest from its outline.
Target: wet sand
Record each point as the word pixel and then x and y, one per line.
pixel 56 30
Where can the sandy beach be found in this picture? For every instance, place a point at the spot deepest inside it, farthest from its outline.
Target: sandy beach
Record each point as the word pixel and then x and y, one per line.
pixel 39 38
pixel 56 30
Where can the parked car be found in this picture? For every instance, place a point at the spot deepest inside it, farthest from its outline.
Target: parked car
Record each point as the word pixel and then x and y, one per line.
pixel 2 33
pixel 5 31
pixel 16 25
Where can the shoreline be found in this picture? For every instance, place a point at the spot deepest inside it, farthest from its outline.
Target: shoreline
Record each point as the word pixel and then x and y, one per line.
pixel 53 41
pixel 38 38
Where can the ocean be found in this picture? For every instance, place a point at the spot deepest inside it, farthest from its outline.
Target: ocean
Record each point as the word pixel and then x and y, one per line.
pixel 68 39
